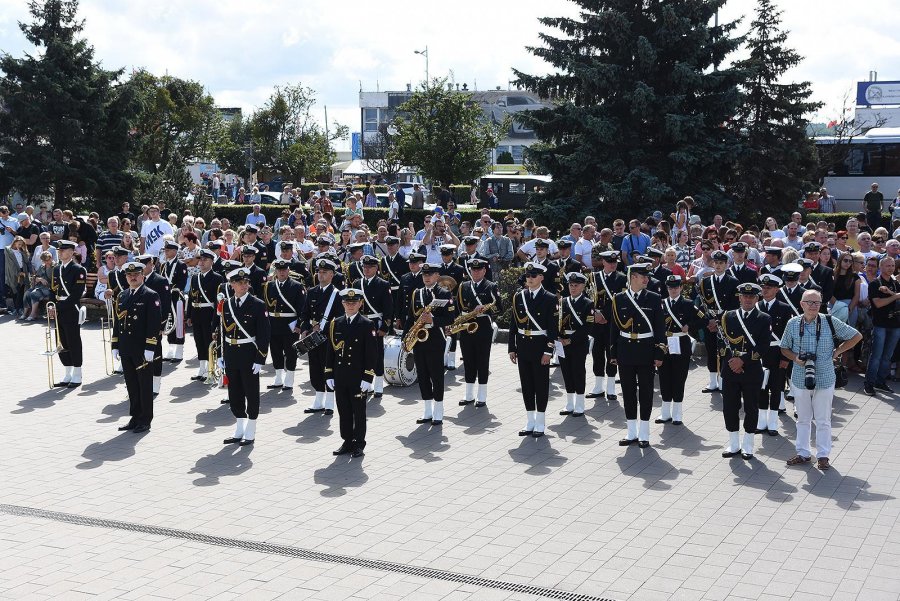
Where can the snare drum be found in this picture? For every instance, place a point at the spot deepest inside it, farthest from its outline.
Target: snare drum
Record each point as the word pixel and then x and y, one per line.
pixel 399 365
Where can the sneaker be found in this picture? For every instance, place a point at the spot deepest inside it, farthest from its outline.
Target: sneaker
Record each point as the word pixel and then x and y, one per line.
pixel 869 389
pixel 883 386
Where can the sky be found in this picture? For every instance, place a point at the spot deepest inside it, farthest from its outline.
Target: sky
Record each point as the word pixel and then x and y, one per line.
pixel 241 50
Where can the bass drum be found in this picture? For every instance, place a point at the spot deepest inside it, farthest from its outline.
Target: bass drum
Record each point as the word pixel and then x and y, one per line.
pixel 399 365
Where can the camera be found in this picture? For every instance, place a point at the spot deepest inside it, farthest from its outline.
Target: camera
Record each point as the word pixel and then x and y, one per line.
pixel 809 370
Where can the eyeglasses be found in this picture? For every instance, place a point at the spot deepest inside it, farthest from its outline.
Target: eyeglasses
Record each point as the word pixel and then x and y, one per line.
pixel 812 303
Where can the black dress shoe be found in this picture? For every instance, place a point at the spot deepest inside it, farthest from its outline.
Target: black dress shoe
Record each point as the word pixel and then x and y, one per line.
pixel 155 394
pixel 463 403
pixel 377 395
pixel 746 456
pixel 198 378
pixel 763 431
pixel 357 453
pixel 311 410
pixel 448 368
pixel 224 402
pixel 780 411
pixel 129 426
pixel 61 385
pixel 674 423
pixel 565 412
pixel 437 422
pixel 576 414
pixel 526 432
pixel 611 397
pixel 73 384
pixel 730 454
pixel 343 449
pixel 660 420
pixel 595 395
pixel 119 372
pixel 627 441
pixel 175 361
pixel 142 428
pixel 773 432
pixel 536 434
pixel 274 386
pixel 789 397
pixel 329 412
pixel 644 444
pixel 232 440
pixel 246 443
pixel 707 390
pixel 424 420
pixel 480 404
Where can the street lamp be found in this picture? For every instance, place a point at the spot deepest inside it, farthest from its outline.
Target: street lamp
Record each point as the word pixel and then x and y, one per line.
pixel 425 54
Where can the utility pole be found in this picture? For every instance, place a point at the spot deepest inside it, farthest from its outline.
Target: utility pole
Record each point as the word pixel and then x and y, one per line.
pixel 425 54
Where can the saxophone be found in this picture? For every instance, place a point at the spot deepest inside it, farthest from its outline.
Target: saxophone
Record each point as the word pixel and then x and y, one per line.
pixel 466 321
pixel 417 333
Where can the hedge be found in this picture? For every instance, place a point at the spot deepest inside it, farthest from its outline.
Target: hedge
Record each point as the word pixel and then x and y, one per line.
pixel 316 186
pixel 237 214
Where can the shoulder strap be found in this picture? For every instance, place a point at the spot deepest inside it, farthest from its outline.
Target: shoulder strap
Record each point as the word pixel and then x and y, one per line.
pixel 534 322
pixel 675 319
pixel 641 311
pixel 328 307
pixel 573 312
pixel 284 300
pixel 737 313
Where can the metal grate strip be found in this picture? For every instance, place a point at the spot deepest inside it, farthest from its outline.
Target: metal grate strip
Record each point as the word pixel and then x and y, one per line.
pixel 299 553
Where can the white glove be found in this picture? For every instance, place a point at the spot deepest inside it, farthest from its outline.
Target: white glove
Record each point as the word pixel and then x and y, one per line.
pixel 365 386
pixel 115 354
pixel 220 363
pixel 329 384
pixel 148 356
pixel 257 367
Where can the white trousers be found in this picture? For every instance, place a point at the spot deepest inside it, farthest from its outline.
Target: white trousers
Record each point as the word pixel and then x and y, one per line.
pixel 813 405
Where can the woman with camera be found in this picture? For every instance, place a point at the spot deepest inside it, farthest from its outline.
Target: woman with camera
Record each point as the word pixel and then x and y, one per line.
pixel 814 342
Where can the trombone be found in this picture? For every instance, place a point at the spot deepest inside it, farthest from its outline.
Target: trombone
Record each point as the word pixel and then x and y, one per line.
pixel 52 345
pixel 106 326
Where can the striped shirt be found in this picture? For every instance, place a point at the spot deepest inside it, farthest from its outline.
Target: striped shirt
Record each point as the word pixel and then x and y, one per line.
pixel 792 340
pixel 107 240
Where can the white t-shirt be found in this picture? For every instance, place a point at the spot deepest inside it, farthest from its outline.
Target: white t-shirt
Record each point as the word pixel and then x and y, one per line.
pixel 583 247
pixel 528 247
pixel 775 234
pixel 152 233
pixel 395 210
pixel 304 247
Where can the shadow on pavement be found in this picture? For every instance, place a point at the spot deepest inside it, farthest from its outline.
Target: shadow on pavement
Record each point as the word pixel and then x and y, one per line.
pixel 649 466
pixel 538 455
pixel 115 449
pixel 114 412
pixel 846 491
pixel 343 473
pixel 230 461
pixel 104 384
pixel 43 400
pixel 578 430
pixel 313 428
pixel 755 474
pixel 191 390
pixel 474 420
pixel 213 417
pixel 424 442
pixel 682 437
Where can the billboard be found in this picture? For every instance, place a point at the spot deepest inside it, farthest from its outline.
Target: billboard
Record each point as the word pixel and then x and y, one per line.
pixel 877 93
pixel 355 146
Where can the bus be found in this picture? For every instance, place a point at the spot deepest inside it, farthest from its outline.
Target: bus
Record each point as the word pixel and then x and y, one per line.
pixel 855 165
pixel 512 189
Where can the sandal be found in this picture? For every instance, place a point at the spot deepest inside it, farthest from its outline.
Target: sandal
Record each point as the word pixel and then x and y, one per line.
pixel 823 464
pixel 798 460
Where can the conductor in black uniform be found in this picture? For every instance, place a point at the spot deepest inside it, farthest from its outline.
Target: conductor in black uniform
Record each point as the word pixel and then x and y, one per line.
pixel 681 316
pixel 637 338
pixel 284 298
pixel 535 320
pixel 66 288
pixel 350 356
pixel 474 296
pixel 201 310
pixel 747 333
pixel 245 347
pixel 134 340
pixel 160 286
pixel 576 318
pixel 716 292
pixel 771 397
pixel 378 307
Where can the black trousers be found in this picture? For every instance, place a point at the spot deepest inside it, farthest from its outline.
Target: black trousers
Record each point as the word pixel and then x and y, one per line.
pixel 737 389
pixel 574 367
pixel 172 337
pixel 351 407
pixel 429 359
pixel 672 377
pixel 157 355
pixel 535 378
pixel 600 352
pixel 243 384
pixel 284 355
pixel 452 348
pixel 204 324
pixel 711 342
pixel 317 367
pixel 770 396
pixel 379 355
pixel 637 389
pixel 476 353
pixel 69 337
pixel 139 383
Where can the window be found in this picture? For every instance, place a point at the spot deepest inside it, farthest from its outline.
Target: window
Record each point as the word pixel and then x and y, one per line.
pixel 370 119
pixel 516 188
pixel 517 152
pixel 891 160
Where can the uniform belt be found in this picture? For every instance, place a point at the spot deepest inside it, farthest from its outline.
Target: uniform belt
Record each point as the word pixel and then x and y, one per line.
pixel 62 298
pixel 395 288
pixel 202 305
pixel 283 314
pixel 677 334
pixel 532 332
pixel 568 331
pixel 775 343
pixel 237 341
pixel 634 336
pixel 374 316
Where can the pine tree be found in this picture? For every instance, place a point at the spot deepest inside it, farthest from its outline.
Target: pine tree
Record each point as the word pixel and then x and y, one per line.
pixel 641 108
pixel 65 127
pixel 778 162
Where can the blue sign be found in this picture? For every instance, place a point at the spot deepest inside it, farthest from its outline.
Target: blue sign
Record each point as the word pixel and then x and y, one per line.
pixel 877 93
pixel 355 146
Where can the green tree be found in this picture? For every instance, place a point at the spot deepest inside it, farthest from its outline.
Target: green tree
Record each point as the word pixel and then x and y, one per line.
pixel 232 148
pixel 66 124
pixel 779 160
pixel 640 108
pixel 445 134
pixel 380 152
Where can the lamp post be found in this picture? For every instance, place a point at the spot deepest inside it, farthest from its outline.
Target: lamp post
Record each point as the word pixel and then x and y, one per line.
pixel 425 54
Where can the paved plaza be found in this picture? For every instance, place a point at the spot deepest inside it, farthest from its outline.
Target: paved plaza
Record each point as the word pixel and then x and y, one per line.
pixel 466 511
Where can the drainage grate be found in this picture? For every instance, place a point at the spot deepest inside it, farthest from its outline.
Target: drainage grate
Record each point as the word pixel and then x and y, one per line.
pixel 297 552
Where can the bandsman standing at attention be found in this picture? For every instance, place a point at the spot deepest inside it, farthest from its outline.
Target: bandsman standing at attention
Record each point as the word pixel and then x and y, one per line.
pixel 746 333
pixel 409 282
pixel 66 289
pixel 134 340
pixel 741 271
pixel 471 252
pixel 659 273
pixel 117 283
pixel 792 292
pixel 160 286
pixel 244 351
pixel 350 356
pixel 429 354
pixel 531 345
pixel 297 267
pixel 257 273
pixel 637 338
pixel 322 306
pixel 378 307
pixel 681 316
pixel 284 299
pixel 176 274
pixel 449 267
pixel 201 311
pixel 771 260
pixel 393 267
pixel 717 295
pixel 474 296
pixel 551 281
pixel 607 283
pixel 352 268
pixel 576 319
pixel 565 265
pixel 771 397
pixel 219 264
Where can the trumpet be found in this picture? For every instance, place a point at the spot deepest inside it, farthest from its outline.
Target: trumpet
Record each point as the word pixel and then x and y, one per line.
pixel 51 341
pixel 106 325
pixel 467 322
pixel 213 373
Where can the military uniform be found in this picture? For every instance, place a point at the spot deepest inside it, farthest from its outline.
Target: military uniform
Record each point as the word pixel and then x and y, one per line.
pixel 378 307
pixel 576 321
pixel 409 283
pixel 202 313
pixel 458 273
pixel 176 274
pixel 743 273
pixel 284 303
pixel 67 285
pixel 160 286
pixel 135 338
pixel 392 270
pixel 322 305
pixel 771 396
pixel 551 276
pixel 605 288
pixel 563 268
pixel 429 354
pixel 476 347
pixel 350 356
pixel 717 295
pixel 674 370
